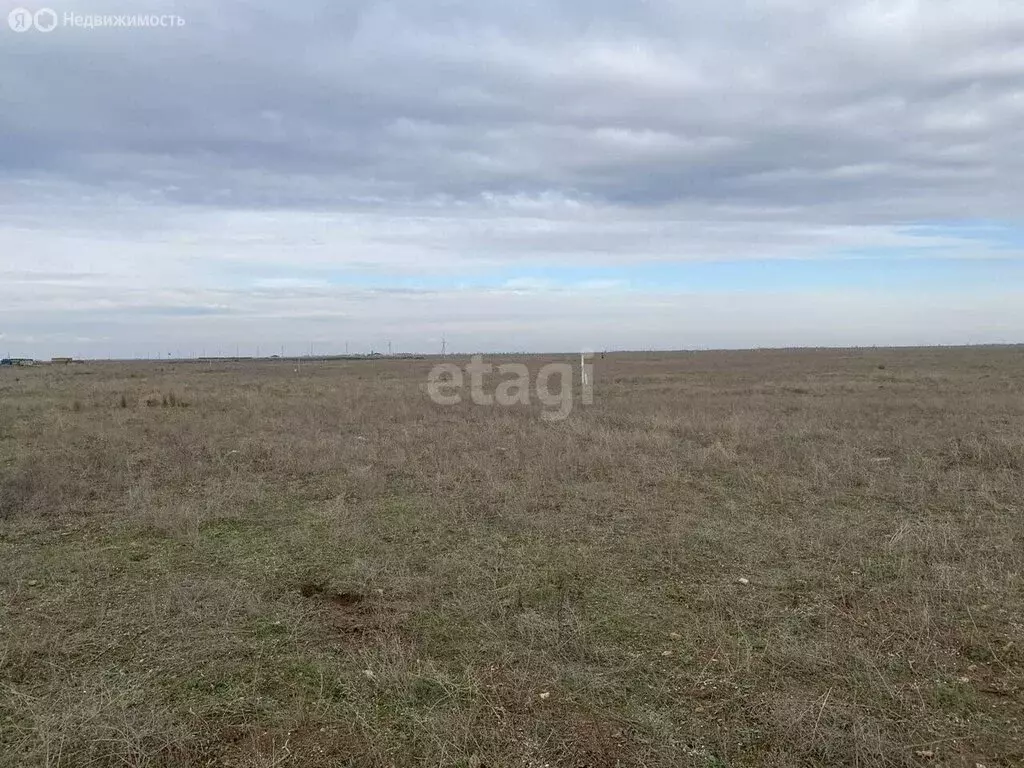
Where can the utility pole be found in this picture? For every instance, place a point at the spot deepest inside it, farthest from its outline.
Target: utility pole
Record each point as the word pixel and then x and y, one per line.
pixel 444 345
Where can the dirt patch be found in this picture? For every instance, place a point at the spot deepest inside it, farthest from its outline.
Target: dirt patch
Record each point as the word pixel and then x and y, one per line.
pixel 348 612
pixel 597 743
pixel 319 591
pixel 307 745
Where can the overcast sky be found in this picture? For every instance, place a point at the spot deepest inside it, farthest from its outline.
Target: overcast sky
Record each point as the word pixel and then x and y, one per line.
pixel 511 175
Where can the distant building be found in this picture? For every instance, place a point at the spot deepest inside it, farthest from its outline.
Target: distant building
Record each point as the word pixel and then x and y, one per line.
pixel 17 361
pixel 62 360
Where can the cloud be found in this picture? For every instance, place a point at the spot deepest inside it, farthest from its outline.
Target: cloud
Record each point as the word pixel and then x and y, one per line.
pixel 272 148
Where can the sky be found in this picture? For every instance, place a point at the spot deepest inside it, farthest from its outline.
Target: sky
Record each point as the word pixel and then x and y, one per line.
pixel 510 176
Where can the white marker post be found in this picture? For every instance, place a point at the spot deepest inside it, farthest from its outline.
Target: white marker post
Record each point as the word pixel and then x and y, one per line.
pixel 587 378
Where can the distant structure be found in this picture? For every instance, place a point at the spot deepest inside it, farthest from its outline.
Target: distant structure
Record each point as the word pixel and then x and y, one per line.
pixel 62 360
pixel 17 361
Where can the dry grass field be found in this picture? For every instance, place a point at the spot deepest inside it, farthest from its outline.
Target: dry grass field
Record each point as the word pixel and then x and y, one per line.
pixel 765 558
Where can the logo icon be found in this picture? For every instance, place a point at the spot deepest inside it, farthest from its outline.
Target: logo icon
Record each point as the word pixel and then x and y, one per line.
pixel 45 20
pixel 20 20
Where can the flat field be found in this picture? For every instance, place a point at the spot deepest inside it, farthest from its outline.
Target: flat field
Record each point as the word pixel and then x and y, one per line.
pixel 764 558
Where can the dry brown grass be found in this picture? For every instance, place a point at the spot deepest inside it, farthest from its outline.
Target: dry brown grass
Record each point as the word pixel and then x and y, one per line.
pixel 243 565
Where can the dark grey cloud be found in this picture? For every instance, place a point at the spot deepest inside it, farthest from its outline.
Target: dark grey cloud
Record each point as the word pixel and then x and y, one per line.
pixel 642 104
